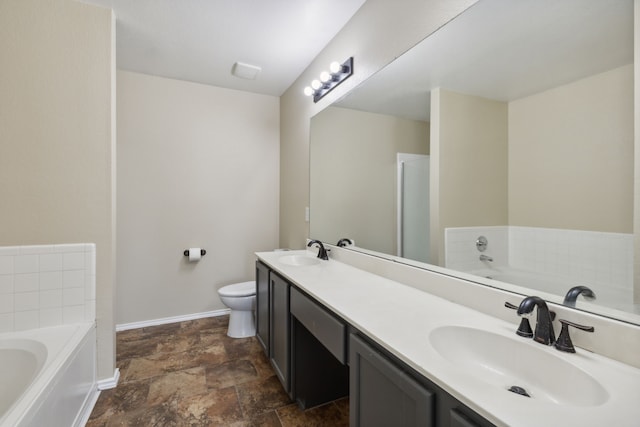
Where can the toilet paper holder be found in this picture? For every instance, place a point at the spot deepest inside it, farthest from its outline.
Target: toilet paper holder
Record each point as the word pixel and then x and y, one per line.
pixel 202 252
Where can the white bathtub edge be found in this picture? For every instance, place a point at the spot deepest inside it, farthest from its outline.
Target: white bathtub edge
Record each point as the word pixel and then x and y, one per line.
pixel 62 389
pixel 87 408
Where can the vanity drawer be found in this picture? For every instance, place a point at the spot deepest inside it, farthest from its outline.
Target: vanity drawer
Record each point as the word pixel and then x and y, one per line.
pixel 331 332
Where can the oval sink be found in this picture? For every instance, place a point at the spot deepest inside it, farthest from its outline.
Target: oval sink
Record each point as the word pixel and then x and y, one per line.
pixel 298 260
pixel 509 363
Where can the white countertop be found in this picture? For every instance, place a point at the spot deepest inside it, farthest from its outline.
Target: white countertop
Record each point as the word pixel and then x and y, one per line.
pixel 400 319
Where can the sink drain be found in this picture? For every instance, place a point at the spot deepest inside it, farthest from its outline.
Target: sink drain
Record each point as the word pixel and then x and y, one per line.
pixel 518 390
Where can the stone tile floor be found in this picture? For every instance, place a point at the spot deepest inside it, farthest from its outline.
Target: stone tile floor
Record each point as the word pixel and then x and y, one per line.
pixel 192 374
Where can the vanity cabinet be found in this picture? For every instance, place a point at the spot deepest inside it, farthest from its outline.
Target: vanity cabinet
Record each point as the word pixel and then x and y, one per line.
pixel 262 306
pixel 382 394
pixel 318 346
pixel 306 345
pixel 279 328
pixel 319 357
pixel 386 392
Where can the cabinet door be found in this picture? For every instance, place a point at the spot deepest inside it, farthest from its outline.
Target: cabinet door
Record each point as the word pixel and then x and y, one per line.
pixel 459 420
pixel 262 306
pixel 280 328
pixel 383 395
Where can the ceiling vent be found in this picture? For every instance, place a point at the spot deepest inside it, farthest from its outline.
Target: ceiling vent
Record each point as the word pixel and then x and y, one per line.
pixel 246 71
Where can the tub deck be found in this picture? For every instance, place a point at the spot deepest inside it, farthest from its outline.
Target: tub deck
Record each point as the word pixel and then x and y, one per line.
pixel 63 383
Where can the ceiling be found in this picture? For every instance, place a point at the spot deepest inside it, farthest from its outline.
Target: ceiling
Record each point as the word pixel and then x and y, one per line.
pixel 503 50
pixel 200 40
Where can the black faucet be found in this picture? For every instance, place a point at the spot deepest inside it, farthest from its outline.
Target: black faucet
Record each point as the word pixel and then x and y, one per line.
pixel 344 242
pixel 564 340
pixel 322 252
pixel 544 327
pixel 573 293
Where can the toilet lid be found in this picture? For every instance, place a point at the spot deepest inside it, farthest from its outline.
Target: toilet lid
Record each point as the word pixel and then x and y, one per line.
pixel 244 289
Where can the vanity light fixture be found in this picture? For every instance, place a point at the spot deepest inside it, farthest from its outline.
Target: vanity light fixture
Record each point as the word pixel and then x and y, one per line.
pixel 329 79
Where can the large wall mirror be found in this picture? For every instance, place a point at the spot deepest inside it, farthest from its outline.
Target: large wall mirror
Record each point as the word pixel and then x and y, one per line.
pixel 500 148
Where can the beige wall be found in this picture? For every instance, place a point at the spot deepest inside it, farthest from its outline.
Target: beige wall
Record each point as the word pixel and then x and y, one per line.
pixel 571 155
pixel 379 32
pixel 56 137
pixel 353 174
pixel 197 167
pixel 468 179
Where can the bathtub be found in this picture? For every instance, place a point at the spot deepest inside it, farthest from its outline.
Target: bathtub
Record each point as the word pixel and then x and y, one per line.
pixel 48 376
pixel 608 296
pixel 529 279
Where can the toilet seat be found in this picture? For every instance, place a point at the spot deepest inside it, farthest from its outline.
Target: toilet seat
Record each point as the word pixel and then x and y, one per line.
pixel 244 289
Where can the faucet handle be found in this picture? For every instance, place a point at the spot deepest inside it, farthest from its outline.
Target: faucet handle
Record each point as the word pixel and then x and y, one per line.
pixel 563 342
pixel 524 330
pixel 515 307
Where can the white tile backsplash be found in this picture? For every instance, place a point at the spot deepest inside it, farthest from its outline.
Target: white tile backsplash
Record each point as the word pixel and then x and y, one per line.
pixel 603 261
pixel 73 314
pixel 9 250
pixel 25 264
pixel 6 322
pixel 26 320
pixel 27 282
pixel 462 254
pixel 50 262
pixel 6 284
pixel 34 249
pixel 588 257
pixel 46 285
pixel 6 304
pixel 73 296
pixel 25 301
pixel 6 264
pixel 73 261
pixel 51 298
pixel 51 280
pixel 74 278
pixel 51 316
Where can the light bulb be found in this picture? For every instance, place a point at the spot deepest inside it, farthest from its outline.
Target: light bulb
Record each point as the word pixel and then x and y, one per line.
pixel 335 67
pixel 308 91
pixel 316 84
pixel 325 77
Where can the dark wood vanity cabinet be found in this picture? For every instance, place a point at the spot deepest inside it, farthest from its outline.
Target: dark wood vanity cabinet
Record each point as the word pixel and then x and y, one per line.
pixel 384 392
pixel 280 328
pixel 304 342
pixel 319 368
pixel 318 357
pixel 262 306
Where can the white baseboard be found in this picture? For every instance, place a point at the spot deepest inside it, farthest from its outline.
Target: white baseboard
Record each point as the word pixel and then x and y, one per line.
pixel 92 398
pixel 173 319
pixel 108 383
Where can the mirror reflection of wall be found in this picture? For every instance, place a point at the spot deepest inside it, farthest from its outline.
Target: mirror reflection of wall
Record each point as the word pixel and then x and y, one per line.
pixel 469 140
pixel 353 174
pixel 531 141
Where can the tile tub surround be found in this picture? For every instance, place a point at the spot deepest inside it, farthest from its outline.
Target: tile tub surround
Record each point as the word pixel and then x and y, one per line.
pixel 590 257
pixel 191 374
pixel 367 291
pixel 46 285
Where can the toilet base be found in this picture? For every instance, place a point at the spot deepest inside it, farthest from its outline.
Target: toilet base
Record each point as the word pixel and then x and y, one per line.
pixel 241 324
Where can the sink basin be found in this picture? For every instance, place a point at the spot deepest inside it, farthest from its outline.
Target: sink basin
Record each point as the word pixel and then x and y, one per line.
pixel 505 362
pixel 298 260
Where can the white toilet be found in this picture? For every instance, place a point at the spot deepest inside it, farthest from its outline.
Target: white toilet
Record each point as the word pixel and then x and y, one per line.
pixel 241 299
